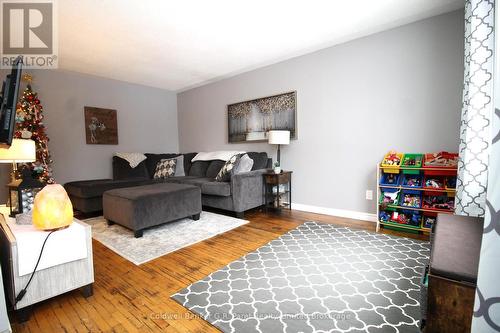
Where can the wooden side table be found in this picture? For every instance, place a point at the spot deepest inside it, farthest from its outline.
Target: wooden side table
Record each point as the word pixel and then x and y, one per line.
pixel 46 283
pixel 278 190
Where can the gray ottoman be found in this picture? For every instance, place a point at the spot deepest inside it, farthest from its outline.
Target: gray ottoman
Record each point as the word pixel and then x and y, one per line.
pixel 141 207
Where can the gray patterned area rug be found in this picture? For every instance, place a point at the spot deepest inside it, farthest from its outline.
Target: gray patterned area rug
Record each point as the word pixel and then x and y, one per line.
pixel 163 239
pixel 316 278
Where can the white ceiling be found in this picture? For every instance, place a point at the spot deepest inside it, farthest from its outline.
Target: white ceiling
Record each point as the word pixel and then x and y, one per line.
pixel 178 44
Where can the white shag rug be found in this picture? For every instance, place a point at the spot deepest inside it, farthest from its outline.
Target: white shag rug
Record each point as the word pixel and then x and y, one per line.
pixel 160 240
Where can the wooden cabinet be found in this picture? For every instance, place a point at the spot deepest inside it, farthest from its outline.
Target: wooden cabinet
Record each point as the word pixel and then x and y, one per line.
pixel 278 190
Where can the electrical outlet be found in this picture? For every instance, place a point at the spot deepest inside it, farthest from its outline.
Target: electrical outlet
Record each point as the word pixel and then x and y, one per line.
pixel 369 195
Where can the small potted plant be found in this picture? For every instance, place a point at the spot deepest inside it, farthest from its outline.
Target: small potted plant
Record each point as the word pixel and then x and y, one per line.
pixel 277 168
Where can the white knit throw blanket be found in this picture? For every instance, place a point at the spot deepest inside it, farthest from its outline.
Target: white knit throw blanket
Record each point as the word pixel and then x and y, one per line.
pixel 132 158
pixel 223 155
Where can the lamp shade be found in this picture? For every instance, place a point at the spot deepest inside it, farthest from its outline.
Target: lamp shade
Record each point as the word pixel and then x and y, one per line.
pixel 20 151
pixel 52 209
pixel 278 137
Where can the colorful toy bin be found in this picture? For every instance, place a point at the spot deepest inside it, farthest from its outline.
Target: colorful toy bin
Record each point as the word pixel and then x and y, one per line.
pixel 389 196
pixel 429 220
pixel 411 198
pixel 441 160
pixel 390 179
pixel 412 161
pixel 392 162
pixel 412 181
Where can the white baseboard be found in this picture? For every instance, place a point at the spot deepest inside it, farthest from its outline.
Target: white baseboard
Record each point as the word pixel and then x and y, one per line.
pixel 336 212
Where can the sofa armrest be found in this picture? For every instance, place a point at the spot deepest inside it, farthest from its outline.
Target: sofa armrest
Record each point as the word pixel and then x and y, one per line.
pixel 247 190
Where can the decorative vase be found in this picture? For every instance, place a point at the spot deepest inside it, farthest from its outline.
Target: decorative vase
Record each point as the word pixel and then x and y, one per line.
pixel 277 169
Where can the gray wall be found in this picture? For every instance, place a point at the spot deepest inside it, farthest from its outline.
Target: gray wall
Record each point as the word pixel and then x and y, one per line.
pixel 147 121
pixel 399 89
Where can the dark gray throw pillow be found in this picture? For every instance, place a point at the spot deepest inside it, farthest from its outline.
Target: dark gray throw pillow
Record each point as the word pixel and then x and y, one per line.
pixel 227 170
pixel 165 169
pixel 123 170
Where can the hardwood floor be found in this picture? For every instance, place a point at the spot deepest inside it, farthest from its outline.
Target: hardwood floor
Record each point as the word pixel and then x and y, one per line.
pixel 130 298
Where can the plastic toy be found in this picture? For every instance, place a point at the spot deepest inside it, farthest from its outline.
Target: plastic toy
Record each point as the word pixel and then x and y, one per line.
pixel 391 178
pixel 384 216
pixel 411 200
pixel 392 158
pixel 412 161
pixel 403 218
pixel 413 182
pixel 429 221
pixel 415 220
pixel 390 197
pixel 399 218
pixel 434 183
pixel 409 161
pixel 439 202
pixel 406 218
pixel 441 159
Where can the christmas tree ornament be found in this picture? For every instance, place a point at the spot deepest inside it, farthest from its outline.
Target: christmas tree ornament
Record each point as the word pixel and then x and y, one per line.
pixel 26 134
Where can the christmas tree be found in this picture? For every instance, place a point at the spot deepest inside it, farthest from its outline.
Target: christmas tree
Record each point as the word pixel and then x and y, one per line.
pixel 29 125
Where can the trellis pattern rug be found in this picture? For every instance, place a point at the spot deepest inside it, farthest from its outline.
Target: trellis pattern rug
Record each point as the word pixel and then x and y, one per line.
pixel 163 239
pixel 316 278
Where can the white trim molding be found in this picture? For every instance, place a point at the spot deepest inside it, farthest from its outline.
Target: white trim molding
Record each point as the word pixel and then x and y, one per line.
pixel 336 212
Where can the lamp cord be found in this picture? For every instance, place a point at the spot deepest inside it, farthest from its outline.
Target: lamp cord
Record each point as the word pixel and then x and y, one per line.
pixel 23 291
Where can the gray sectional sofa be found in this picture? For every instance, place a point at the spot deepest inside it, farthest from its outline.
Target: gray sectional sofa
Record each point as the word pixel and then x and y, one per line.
pixel 243 192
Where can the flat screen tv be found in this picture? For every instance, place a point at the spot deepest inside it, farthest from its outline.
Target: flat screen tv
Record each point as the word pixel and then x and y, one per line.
pixel 8 103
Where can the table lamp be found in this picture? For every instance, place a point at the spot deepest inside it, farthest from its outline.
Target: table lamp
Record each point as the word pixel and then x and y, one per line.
pixel 53 209
pixel 278 138
pixel 20 151
pixel 21 191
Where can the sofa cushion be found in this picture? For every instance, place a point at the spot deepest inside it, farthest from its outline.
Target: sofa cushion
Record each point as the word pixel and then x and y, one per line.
pixel 221 189
pixel 229 168
pixel 153 159
pixel 197 181
pixel 187 162
pixel 199 168
pixel 123 170
pixel 132 158
pixel 178 180
pixel 95 188
pixel 165 168
pixel 86 205
pixel 259 160
pixel 245 164
pixel 179 168
pixel 214 168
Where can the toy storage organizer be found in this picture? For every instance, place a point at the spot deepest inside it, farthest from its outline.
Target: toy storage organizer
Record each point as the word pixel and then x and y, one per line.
pixel 411 193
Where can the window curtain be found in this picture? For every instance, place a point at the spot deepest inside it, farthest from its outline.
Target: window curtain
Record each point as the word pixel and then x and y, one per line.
pixel 487 306
pixel 486 318
pixel 477 107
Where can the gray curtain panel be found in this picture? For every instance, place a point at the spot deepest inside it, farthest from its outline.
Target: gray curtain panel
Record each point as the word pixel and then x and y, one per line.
pixel 477 109
pixel 487 305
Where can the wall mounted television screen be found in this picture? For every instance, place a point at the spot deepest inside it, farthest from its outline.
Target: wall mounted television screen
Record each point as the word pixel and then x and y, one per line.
pixel 8 102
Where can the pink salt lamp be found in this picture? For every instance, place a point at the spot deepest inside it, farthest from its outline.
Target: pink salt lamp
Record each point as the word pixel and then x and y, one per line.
pixel 52 208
